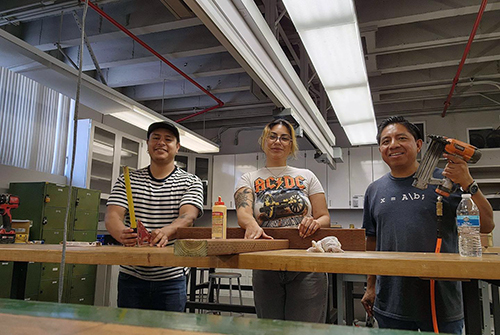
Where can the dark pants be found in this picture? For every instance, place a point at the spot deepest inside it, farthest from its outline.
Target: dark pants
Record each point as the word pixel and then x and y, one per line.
pixel 167 295
pixel 453 327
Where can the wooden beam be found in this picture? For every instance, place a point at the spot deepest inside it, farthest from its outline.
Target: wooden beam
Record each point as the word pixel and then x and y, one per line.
pixel 351 239
pixel 217 247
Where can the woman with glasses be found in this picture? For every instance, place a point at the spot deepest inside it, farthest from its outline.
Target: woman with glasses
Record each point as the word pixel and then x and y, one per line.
pixel 279 195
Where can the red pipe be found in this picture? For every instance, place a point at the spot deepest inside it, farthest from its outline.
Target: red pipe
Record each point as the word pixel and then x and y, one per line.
pixel 147 47
pixel 464 56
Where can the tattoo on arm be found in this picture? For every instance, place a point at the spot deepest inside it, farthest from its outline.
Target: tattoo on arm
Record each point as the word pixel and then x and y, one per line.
pixel 242 198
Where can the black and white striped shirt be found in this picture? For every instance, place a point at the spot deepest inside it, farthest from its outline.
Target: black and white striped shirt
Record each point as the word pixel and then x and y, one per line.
pixel 156 204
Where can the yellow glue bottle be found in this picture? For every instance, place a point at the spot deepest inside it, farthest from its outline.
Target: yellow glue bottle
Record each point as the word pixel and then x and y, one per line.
pixel 219 220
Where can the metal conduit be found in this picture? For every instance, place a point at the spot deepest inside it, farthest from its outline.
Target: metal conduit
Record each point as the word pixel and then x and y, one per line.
pixel 464 56
pixel 163 59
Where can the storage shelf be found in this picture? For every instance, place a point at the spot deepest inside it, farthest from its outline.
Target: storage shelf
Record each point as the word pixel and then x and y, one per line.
pixel 100 178
pixel 102 160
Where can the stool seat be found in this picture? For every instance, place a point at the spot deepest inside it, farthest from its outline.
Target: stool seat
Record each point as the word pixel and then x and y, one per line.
pixel 225 275
pixel 215 280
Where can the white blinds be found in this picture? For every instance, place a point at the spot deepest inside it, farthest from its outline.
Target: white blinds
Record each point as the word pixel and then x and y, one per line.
pixel 34 124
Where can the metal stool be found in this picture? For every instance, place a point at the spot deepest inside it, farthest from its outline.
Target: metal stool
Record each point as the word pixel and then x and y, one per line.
pixel 215 279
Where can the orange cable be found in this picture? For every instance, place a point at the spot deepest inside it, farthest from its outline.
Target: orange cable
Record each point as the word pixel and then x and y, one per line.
pixel 433 293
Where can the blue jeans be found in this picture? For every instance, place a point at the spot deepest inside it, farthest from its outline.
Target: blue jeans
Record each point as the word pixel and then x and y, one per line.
pixel 167 295
pixel 453 327
pixel 293 296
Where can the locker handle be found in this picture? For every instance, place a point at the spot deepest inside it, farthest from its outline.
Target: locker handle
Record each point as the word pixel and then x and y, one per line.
pixel 44 220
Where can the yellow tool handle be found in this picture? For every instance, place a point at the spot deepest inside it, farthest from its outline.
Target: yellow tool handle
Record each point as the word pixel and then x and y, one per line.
pixel 130 200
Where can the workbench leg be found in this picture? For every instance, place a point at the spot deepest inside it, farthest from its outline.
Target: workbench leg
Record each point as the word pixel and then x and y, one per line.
pixel 472 307
pixel 349 303
pixel 485 299
pixel 18 286
pixel 496 308
pixel 192 288
pixel 340 299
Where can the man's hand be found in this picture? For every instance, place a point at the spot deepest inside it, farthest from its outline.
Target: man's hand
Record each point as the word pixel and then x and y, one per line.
pixel 255 232
pixel 368 300
pixel 308 226
pixel 457 170
pixel 127 237
pixel 159 237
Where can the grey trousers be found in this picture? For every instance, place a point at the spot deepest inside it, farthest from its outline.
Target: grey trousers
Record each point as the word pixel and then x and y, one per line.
pixel 286 295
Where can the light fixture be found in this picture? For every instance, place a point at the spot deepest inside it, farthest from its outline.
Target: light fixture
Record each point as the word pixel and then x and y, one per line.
pixel 19 56
pixel 330 33
pixel 241 28
pixel 189 140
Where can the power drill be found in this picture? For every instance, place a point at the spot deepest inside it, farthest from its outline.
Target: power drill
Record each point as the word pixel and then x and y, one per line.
pixel 7 202
pixel 438 145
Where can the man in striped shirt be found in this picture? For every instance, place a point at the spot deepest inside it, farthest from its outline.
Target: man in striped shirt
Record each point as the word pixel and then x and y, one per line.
pixel 165 198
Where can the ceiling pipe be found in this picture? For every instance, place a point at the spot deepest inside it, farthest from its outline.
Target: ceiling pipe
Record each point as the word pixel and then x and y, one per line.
pixel 464 56
pixel 163 59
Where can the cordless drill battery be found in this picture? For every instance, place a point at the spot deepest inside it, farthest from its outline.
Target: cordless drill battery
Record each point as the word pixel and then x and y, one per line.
pixel 7 202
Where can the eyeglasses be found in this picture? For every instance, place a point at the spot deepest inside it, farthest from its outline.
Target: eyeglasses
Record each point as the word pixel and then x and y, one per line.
pixel 273 137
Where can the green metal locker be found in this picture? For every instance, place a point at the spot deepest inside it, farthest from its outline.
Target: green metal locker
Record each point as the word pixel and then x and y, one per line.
pixel 45 204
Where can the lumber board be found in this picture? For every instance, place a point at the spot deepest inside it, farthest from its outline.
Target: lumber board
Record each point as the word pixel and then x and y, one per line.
pixel 217 247
pixel 351 239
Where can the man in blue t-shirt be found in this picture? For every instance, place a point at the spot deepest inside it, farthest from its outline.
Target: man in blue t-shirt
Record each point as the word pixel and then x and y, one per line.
pixel 400 217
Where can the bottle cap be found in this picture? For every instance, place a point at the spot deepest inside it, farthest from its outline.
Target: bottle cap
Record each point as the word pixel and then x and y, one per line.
pixel 464 196
pixel 219 202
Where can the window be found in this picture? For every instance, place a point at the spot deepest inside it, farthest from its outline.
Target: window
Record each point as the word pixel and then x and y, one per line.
pixel 34 124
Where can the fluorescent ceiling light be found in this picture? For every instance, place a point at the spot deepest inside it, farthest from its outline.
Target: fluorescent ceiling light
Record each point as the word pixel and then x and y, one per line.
pixel 363 133
pixel 191 141
pixel 352 104
pixel 330 34
pixel 341 65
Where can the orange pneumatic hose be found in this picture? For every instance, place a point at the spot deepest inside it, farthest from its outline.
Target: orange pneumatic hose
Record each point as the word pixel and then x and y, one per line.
pixel 439 215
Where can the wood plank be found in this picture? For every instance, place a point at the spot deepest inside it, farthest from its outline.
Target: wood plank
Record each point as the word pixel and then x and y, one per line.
pixel 351 239
pixel 426 265
pixel 217 247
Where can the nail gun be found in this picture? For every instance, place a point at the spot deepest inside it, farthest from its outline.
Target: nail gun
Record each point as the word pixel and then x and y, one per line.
pixel 439 145
pixel 7 202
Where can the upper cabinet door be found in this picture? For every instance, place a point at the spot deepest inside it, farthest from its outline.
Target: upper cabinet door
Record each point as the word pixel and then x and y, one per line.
pixel 379 166
pixel 319 169
pixel 338 184
pixel 223 179
pixel 244 163
pixel 360 174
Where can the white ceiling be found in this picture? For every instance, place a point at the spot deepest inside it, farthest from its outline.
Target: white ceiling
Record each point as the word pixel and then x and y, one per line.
pixel 412 51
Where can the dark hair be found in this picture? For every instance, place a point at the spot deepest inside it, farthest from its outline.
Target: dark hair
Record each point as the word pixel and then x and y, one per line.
pixel 402 121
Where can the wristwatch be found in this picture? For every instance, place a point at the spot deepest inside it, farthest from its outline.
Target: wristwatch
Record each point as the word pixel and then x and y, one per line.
pixel 472 188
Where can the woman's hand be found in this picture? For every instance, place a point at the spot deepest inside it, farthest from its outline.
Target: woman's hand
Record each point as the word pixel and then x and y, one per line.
pixel 127 237
pixel 308 226
pixel 255 232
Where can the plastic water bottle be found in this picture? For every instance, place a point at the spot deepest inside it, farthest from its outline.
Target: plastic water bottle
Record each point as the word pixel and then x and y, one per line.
pixel 469 240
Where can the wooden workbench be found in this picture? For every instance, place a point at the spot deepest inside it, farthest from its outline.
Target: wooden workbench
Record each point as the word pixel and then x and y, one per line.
pixel 426 265
pixel 22 317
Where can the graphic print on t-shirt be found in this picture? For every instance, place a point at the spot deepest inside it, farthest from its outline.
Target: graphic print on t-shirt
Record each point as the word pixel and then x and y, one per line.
pixel 280 201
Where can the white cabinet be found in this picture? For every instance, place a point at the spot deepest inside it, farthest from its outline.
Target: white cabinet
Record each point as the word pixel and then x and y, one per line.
pixel 360 173
pixel 299 161
pixel 379 166
pixel 223 180
pixel 339 184
pixel 100 152
pixel 201 166
pixel 244 163
pixel 319 169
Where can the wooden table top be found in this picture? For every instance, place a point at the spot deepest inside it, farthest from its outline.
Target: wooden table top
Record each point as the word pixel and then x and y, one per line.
pixel 32 317
pixel 425 265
